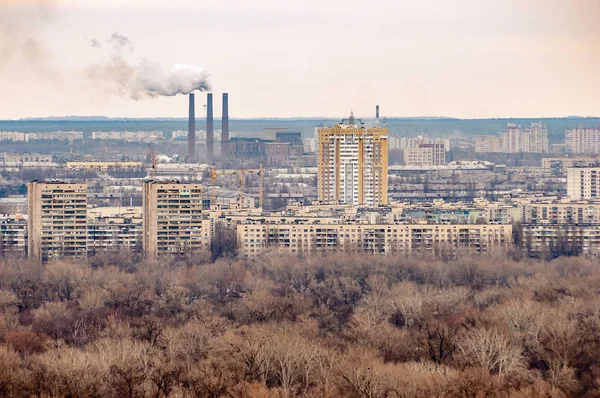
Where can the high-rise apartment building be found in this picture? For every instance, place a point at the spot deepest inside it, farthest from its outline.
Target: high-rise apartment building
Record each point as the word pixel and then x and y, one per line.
pixel 57 222
pixel 173 224
pixel 353 164
pixel 514 139
pixel 582 140
pixel 583 183
pixel 425 155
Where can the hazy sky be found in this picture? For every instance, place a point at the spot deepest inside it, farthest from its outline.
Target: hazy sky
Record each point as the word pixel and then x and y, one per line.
pixel 280 58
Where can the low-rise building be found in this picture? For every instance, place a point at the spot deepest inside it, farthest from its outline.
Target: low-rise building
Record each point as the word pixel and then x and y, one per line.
pixel 103 166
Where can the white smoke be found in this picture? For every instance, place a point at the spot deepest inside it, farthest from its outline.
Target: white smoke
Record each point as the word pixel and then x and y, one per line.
pixel 181 79
pixel 118 76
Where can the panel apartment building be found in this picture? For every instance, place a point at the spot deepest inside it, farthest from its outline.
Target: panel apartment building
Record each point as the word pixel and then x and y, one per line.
pixel 298 239
pixel 172 219
pixel 57 220
pixel 582 140
pixel 583 183
pixel 425 155
pixel 353 164
pixel 515 139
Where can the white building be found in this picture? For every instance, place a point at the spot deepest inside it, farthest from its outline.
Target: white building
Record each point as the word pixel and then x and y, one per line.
pixel 582 140
pixel 583 183
pixel 12 136
pixel 514 139
pixel 400 143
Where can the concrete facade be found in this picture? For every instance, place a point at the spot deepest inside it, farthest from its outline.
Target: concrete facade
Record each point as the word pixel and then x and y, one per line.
pixel 172 219
pixel 57 220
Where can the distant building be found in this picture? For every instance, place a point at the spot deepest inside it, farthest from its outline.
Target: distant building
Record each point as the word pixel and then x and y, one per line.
pixel 564 163
pixel 270 133
pixel 12 136
pixel 353 164
pixel 55 135
pixel 13 235
pixel 128 136
pixel 515 139
pixel 13 205
pixel 582 140
pixel 425 155
pixel 401 143
pixel 489 144
pixel 173 223
pixel 57 220
pixel 583 183
pixel 103 166
pixel 27 157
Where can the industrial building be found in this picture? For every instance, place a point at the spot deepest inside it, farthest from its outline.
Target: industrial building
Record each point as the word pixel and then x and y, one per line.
pixel 57 220
pixel 353 164
pixel 172 219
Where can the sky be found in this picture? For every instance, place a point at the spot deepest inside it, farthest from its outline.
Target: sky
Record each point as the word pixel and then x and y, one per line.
pixel 305 58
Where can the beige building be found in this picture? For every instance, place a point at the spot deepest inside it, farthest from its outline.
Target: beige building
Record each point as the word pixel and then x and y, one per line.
pixel 57 220
pixel 489 144
pixel 582 140
pixel 566 162
pixel 12 136
pixel 353 164
pixel 425 155
pixel 583 183
pixel 257 239
pixel 172 219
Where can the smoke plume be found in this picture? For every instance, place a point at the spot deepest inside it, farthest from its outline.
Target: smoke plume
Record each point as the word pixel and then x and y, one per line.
pixel 119 76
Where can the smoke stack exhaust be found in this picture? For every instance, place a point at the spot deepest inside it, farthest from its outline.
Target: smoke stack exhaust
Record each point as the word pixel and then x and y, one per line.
pixel 192 131
pixel 210 130
pixel 377 115
pixel 225 127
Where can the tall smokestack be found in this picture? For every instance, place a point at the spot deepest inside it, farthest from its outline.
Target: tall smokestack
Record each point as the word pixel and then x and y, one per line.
pixel 225 127
pixel 192 131
pixel 210 130
pixel 377 115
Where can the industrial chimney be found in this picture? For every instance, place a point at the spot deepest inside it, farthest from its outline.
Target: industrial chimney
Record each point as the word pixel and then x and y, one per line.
pixel 377 115
pixel 225 127
pixel 192 131
pixel 210 131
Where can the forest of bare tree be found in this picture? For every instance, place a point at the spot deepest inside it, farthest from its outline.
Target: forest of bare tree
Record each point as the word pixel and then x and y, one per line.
pixel 475 325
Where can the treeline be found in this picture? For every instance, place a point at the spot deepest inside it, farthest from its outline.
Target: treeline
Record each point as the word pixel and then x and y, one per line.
pixel 476 325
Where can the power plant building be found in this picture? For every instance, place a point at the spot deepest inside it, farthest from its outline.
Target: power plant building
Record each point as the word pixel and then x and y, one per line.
pixel 353 164
pixel 57 220
pixel 172 219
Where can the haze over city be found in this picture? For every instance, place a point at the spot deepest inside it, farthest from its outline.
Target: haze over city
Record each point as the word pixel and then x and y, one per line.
pixel 467 58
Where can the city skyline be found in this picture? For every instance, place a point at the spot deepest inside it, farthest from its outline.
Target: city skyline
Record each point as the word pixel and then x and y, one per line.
pixel 297 59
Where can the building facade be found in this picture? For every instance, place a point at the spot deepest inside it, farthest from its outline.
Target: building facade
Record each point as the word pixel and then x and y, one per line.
pixel 583 183
pixel 425 155
pixel 57 220
pixel 353 164
pixel 256 239
pixel 172 219
pixel 515 139
pixel 582 140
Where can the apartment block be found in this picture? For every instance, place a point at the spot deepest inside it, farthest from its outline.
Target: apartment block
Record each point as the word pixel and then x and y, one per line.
pixel 27 157
pixel 583 183
pixel 400 143
pixel 103 166
pixel 425 155
pixel 57 220
pixel 115 232
pixel 515 139
pixel 13 235
pixel 489 144
pixel 582 140
pixel 172 219
pixel 353 164
pixel 12 136
pixel 564 163
pixel 257 239
pixel 561 239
